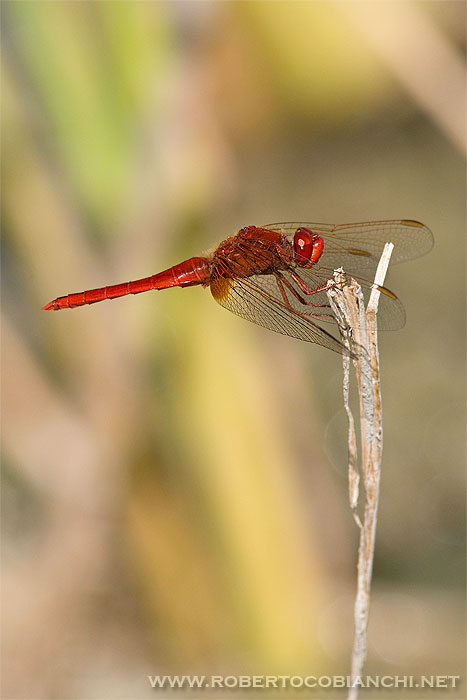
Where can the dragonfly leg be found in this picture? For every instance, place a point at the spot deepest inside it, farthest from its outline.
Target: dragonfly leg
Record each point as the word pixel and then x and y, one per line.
pixel 320 288
pixel 302 285
pixel 309 290
pixel 283 284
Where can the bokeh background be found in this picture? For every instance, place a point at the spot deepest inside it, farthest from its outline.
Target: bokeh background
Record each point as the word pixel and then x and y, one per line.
pixel 174 478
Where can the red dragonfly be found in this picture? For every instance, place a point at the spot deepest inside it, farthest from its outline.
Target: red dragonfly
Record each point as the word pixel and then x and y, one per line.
pixel 276 275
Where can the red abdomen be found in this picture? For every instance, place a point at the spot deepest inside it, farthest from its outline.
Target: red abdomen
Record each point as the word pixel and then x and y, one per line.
pixel 185 274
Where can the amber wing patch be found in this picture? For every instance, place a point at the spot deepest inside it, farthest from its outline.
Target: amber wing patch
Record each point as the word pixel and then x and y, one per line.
pixel 220 288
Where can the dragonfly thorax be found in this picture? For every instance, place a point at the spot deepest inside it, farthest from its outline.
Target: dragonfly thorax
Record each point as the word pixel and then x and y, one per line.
pixel 252 251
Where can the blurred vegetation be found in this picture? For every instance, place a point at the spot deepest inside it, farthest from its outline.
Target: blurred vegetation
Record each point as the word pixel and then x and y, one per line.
pixel 174 483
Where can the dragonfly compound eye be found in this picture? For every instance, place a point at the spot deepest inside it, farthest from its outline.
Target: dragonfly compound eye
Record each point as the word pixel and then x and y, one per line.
pixel 307 246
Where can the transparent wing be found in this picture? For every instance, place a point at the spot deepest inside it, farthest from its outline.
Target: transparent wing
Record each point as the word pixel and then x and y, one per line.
pixel 286 304
pixel 259 299
pixel 391 312
pixel 357 247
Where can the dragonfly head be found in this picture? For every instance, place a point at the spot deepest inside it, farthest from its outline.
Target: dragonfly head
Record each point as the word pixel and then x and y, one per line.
pixel 307 246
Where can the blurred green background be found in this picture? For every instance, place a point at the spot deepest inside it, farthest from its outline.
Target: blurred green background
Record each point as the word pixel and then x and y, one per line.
pixel 174 478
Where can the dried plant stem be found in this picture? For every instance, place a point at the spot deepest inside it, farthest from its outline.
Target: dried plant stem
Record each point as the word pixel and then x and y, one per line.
pixel 359 333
